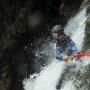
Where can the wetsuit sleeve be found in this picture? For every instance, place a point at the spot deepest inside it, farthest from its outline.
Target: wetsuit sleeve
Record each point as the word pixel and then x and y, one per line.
pixel 71 48
pixel 58 53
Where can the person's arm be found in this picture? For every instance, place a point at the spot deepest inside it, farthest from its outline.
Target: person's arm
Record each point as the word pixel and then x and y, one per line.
pixel 58 53
pixel 70 50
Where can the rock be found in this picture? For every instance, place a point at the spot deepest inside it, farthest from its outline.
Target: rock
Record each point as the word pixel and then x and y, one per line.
pixel 5 78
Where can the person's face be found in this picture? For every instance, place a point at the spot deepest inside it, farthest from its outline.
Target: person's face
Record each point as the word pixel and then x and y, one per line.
pixel 56 35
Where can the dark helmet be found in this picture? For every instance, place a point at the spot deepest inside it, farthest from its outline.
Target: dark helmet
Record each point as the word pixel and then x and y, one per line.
pixel 57 28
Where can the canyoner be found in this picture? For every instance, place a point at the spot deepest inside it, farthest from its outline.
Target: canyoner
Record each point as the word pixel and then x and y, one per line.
pixel 64 46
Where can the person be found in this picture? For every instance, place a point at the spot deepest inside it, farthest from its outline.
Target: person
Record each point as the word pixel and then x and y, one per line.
pixel 65 47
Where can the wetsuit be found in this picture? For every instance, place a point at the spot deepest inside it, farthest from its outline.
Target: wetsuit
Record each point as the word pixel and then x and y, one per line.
pixel 64 46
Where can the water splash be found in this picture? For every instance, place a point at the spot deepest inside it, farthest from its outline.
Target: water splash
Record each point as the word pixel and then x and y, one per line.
pixel 68 86
pixel 76 28
pixel 47 79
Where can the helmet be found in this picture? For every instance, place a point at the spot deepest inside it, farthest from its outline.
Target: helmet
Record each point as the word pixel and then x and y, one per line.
pixel 57 28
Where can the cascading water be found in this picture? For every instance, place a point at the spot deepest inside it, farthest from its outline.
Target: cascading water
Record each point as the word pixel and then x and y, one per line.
pixel 49 76
pixel 47 79
pixel 76 28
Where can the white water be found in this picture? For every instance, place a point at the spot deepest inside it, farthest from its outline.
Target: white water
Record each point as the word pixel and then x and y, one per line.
pixel 68 86
pixel 76 28
pixel 48 78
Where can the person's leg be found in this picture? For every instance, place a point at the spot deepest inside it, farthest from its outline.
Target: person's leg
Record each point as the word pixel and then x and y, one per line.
pixel 58 86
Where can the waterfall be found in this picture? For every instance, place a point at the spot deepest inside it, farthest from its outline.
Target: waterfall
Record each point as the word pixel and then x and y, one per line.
pixel 76 28
pixel 47 79
pixel 49 76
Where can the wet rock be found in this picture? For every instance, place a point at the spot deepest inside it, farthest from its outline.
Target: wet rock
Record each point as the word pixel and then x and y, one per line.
pixel 5 78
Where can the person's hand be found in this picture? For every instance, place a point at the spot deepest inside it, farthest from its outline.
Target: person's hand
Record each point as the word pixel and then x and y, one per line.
pixel 65 58
pixel 70 57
